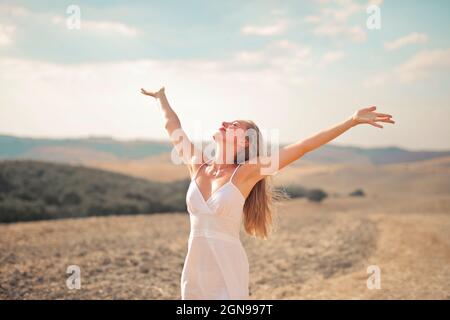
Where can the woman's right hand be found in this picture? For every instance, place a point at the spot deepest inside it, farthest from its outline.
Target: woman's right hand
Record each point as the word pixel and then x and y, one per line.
pixel 155 95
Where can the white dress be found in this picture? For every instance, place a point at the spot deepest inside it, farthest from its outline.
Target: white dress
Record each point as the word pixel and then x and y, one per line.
pixel 216 266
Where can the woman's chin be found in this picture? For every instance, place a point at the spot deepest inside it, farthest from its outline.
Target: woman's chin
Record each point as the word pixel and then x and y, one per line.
pixel 217 134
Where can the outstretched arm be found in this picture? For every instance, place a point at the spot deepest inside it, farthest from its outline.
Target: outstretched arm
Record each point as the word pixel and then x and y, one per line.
pixel 185 148
pixel 294 151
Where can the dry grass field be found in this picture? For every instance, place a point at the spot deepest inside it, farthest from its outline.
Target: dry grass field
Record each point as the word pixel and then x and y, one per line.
pixel 318 250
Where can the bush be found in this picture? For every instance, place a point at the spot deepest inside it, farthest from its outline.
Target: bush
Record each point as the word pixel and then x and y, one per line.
pixel 297 191
pixel 357 193
pixel 316 195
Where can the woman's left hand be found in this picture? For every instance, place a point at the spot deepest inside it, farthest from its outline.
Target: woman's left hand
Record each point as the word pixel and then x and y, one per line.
pixel 367 115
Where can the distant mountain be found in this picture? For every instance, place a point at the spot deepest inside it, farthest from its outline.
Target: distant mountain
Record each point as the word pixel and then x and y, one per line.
pixel 104 149
pixel 78 150
pixel 347 154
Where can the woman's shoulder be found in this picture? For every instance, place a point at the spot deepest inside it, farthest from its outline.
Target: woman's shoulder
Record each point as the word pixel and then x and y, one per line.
pixel 259 167
pixel 197 161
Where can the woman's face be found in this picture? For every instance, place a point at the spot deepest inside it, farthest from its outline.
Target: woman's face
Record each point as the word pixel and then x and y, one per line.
pixel 232 133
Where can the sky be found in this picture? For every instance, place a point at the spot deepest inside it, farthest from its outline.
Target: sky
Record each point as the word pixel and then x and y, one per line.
pixel 293 67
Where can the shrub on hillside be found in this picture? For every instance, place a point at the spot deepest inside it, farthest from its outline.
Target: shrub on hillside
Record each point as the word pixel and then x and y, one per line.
pixel 297 191
pixel 357 193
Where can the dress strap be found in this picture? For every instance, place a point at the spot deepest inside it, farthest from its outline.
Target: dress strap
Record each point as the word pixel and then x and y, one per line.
pixel 195 176
pixel 234 172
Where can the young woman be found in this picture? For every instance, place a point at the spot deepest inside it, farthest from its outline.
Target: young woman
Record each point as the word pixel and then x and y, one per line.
pixel 229 188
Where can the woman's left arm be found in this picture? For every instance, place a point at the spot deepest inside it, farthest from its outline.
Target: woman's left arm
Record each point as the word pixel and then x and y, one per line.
pixel 292 152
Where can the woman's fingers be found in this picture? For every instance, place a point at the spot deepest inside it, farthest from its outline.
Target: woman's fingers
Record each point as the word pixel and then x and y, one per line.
pixel 383 115
pixel 389 120
pixel 375 124
pixel 367 115
pixel 153 94
pixel 148 93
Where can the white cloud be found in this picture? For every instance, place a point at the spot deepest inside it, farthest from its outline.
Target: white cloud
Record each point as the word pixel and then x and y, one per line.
pixel 276 28
pixel 6 34
pixel 250 57
pixel 313 19
pixel 289 57
pixel 335 30
pixel 375 2
pixel 425 63
pixel 344 11
pixel 356 34
pixel 332 20
pixel 420 66
pixel 413 38
pixel 104 98
pixel 379 79
pixel 331 57
pixel 286 56
pixel 98 27
pixel 13 10
pixel 102 27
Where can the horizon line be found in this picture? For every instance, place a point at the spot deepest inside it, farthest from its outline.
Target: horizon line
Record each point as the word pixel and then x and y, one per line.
pixel 167 141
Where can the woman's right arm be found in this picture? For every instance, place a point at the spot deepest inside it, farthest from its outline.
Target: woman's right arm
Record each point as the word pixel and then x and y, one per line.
pixel 186 150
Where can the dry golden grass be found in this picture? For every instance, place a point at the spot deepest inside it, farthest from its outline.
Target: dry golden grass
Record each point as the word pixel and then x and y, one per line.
pixel 318 251
pixel 157 168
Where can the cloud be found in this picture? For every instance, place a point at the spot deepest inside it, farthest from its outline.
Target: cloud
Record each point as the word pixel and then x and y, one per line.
pixel 289 57
pixel 250 57
pixel 102 27
pixel 420 66
pixel 6 34
pixel 103 98
pixel 285 56
pixel 332 20
pixel 13 10
pixel 276 28
pixel 375 2
pixel 98 27
pixel 425 63
pixel 413 38
pixel 331 57
pixel 335 30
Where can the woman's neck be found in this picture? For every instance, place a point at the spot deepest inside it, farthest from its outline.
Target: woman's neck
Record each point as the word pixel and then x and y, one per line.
pixel 222 158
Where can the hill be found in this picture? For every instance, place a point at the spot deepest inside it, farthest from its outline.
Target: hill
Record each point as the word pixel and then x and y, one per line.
pixel 78 150
pixel 104 149
pixel 35 190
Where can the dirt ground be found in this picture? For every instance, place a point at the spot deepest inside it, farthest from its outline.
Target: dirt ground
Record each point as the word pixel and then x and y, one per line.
pixel 318 251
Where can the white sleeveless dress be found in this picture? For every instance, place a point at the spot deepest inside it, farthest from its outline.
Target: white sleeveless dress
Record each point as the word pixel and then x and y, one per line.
pixel 216 266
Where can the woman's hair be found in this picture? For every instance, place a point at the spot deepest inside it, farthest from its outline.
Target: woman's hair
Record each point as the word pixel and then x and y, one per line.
pixel 259 207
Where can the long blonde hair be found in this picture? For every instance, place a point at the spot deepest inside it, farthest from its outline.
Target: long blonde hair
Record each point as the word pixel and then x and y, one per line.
pixel 259 207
